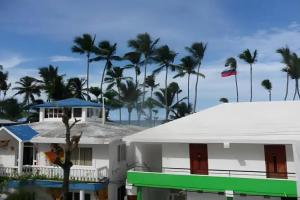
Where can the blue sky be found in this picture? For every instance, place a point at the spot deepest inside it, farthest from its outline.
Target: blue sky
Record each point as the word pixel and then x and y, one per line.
pixel 39 33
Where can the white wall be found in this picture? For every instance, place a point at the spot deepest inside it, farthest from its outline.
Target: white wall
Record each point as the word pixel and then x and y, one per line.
pixel 247 157
pixel 9 154
pixel 149 156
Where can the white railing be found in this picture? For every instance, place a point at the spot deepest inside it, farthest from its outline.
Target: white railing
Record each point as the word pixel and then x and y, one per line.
pixel 8 171
pixel 56 173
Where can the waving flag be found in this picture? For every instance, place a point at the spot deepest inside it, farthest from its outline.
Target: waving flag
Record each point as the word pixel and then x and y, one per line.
pixel 228 72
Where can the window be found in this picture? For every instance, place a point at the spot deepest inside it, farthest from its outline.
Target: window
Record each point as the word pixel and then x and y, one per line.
pixel 46 113
pixel 53 113
pixel 77 112
pixel 93 112
pixel 82 156
pixel 121 152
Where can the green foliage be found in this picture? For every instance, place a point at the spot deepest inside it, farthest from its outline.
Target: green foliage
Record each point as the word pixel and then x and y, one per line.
pixel 29 87
pixel 76 88
pixel 266 84
pixel 224 100
pixel 10 109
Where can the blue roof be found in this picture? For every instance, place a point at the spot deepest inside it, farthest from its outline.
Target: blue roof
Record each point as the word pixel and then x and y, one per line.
pixel 71 102
pixel 23 132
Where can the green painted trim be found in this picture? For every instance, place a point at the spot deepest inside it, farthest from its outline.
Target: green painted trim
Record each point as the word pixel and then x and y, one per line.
pixel 229 198
pixel 250 186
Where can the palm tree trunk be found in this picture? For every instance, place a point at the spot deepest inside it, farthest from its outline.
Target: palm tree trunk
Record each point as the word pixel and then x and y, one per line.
pixel 236 88
pixel 144 90
pixel 129 117
pixel 102 79
pixel 28 109
pixel 150 114
pixel 120 109
pixel 188 89
pixel 250 82
pixel 196 88
pixel 166 93
pixel 88 76
pixel 295 93
pixel 298 88
pixel 270 95
pixel 287 86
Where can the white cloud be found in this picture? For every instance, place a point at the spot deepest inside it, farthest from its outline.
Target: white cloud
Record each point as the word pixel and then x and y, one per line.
pixel 11 61
pixel 63 59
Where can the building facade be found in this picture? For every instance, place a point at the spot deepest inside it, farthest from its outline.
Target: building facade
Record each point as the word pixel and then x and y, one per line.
pixel 99 163
pixel 231 151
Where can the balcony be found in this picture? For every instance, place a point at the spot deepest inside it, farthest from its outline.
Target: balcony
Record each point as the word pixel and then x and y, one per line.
pixel 56 173
pixel 238 181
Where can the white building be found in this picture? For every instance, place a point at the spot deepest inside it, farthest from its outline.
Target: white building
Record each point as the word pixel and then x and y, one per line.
pixel 230 151
pixel 99 164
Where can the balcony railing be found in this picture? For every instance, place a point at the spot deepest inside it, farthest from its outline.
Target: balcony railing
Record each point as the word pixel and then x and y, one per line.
pixel 218 172
pixel 56 173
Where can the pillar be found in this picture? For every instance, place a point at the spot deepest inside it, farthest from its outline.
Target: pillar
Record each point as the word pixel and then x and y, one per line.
pixel 81 195
pixel 139 193
pixel 20 157
pixel 42 114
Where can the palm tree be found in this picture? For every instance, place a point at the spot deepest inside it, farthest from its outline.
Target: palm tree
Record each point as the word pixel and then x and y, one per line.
pixel 76 88
pixel 85 45
pixel 4 86
pixel 250 59
pixel 160 99
pixel 165 57
pixel 181 110
pixel 135 61
pixel 286 55
pixel 107 52
pixel 130 93
pixel 268 86
pixel 197 51
pixel 231 62
pixel 111 101
pixel 224 100
pixel 150 82
pixel 175 87
pixel 144 44
pixel 29 87
pixel 96 91
pixel 53 83
pixel 188 67
pixel 114 77
pixel 294 72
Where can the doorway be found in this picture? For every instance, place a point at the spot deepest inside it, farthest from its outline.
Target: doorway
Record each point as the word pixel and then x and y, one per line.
pixel 275 157
pixel 28 154
pixel 199 159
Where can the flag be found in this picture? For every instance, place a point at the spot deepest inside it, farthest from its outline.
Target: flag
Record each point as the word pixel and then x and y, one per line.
pixel 228 72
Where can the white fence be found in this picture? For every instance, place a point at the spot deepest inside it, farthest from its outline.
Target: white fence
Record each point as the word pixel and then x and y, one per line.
pixel 51 172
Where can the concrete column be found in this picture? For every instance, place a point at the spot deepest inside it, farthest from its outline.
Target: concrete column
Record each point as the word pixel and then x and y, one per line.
pixel 42 114
pixel 139 193
pixel 81 195
pixel 20 157
pixel 84 114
